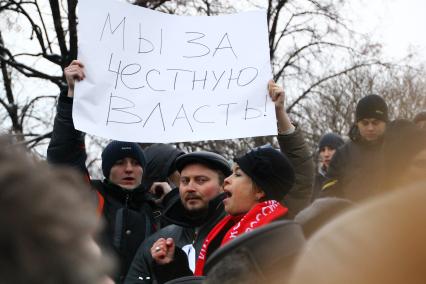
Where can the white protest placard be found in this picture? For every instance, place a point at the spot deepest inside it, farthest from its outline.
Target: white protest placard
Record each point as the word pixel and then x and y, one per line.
pixel 155 77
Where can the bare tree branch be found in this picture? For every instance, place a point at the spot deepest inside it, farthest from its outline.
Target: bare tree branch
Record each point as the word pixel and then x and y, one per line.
pixel 322 80
pixel 72 24
pixel 60 35
pixel 30 104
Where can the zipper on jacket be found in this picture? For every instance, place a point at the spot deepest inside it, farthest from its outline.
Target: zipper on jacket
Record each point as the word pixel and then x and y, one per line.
pixel 125 219
pixel 126 202
pixel 196 233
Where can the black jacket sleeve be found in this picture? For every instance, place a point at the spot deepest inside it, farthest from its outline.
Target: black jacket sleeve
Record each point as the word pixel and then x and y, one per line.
pixel 179 267
pixel 296 149
pixel 140 271
pixel 66 146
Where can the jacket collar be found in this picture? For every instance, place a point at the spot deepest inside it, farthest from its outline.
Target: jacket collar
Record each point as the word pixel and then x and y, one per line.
pixel 135 196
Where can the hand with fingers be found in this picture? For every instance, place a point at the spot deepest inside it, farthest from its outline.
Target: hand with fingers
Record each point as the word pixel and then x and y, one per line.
pixel 163 250
pixel 276 93
pixel 159 190
pixel 74 71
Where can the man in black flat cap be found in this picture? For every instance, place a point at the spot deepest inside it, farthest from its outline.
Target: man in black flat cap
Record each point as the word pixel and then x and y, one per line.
pixel 194 209
pixel 354 170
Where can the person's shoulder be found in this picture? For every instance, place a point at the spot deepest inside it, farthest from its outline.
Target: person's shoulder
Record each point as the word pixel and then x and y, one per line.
pixel 98 185
pixel 347 148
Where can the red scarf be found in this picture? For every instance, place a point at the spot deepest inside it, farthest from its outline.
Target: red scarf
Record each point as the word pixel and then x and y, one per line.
pixel 261 214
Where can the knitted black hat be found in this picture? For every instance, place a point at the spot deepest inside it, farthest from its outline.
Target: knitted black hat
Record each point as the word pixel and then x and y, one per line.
pixel 331 140
pixel 117 150
pixel 270 170
pixel 209 159
pixel 372 106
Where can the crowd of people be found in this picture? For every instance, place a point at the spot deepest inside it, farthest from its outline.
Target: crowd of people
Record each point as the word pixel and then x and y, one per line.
pixel 161 215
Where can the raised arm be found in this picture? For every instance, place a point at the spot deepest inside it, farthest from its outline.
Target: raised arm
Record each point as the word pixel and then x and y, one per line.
pixel 277 95
pixel 67 146
pixel 294 146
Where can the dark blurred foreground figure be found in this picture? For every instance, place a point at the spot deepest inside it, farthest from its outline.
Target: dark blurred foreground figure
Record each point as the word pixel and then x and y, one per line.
pixel 48 223
pixel 381 241
pixel 420 119
pixel 320 212
pixel 265 255
pixel 404 155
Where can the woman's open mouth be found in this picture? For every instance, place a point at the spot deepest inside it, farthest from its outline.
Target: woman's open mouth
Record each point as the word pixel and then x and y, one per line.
pixel 227 195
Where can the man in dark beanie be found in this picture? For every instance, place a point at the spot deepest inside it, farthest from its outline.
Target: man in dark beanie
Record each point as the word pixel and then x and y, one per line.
pixel 371 118
pixel 126 206
pixel 123 163
pixel 372 106
pixel 354 170
pixel 327 146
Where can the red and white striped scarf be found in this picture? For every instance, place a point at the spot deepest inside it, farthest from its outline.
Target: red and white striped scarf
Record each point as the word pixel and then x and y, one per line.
pixel 261 214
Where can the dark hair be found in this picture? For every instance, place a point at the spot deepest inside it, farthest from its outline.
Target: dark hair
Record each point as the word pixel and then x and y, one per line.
pixel 47 219
pixel 270 170
pixel 221 176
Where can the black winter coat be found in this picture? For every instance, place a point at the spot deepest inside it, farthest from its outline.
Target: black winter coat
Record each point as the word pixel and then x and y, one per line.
pixel 354 171
pixel 319 180
pixel 183 231
pixel 129 215
pixel 296 149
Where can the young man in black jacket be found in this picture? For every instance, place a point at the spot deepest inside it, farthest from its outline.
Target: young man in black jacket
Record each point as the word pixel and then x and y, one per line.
pixel 128 210
pixel 193 212
pixel 355 169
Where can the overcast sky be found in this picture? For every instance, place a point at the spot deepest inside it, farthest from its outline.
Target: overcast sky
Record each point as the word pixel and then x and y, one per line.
pixel 398 24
